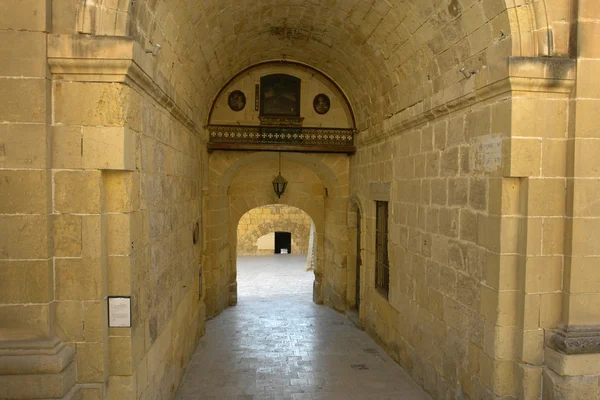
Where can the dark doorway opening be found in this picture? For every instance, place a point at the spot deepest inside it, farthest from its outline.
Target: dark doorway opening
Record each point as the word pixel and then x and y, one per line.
pixel 283 240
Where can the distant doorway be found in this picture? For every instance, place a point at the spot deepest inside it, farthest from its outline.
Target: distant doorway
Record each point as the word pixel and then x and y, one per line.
pixel 283 242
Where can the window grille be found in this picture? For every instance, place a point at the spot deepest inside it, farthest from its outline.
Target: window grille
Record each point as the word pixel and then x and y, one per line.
pixel 382 265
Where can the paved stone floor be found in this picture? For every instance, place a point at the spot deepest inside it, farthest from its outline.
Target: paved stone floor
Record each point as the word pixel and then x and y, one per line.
pixel 277 344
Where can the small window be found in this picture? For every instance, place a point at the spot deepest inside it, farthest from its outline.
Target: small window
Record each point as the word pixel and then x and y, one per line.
pixel 382 265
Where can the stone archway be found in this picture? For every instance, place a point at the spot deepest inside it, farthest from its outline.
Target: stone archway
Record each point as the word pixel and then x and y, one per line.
pixel 317 186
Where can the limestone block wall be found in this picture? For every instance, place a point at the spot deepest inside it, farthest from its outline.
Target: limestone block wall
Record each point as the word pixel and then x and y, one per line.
pixel 477 204
pixel 262 221
pixel 27 220
pixel 102 180
pixel 431 321
pixel 170 316
pixel 123 227
pixel 572 353
pixel 26 277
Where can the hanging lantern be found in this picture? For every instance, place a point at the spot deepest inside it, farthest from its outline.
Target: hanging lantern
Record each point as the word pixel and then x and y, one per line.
pixel 279 183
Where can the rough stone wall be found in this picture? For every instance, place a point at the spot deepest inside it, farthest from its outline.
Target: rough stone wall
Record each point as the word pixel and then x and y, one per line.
pixel 273 218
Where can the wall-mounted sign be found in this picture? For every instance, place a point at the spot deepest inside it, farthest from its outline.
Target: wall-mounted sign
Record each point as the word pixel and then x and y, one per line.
pixel 119 312
pixel 237 100
pixel 321 104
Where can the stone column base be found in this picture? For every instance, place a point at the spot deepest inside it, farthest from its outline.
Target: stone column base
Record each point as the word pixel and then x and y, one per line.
pixel 576 339
pixel 39 369
pixel 572 358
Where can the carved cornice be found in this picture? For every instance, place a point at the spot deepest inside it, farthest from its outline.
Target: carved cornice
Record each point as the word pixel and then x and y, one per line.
pixel 516 74
pixel 576 339
pixel 115 59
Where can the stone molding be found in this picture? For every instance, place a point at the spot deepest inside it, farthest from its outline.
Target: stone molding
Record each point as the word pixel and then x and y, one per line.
pixel 515 74
pixel 576 339
pixel 37 369
pixel 113 59
pixel 35 357
pixel 380 191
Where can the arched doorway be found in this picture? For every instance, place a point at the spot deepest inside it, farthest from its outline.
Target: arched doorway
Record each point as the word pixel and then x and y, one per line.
pixel 318 185
pixel 266 265
pixel 258 229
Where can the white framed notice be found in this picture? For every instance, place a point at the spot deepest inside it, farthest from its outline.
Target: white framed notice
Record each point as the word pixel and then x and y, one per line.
pixel 119 312
pixel 284 251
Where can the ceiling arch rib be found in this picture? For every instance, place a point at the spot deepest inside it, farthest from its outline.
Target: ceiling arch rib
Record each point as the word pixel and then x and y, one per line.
pixel 386 54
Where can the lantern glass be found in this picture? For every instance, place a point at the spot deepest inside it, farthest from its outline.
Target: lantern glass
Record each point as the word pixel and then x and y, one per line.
pixel 279 185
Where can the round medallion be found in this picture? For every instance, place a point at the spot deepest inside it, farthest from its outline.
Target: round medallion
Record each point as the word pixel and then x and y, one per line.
pixel 237 100
pixel 321 103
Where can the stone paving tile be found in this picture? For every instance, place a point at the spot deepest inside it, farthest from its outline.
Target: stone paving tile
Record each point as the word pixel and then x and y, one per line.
pixel 276 344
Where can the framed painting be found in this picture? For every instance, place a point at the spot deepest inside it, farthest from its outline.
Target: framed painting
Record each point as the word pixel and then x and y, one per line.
pixel 280 95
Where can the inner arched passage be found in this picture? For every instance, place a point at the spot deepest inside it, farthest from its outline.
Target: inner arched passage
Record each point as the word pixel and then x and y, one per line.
pixel 256 233
pixel 263 268
pixel 241 181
